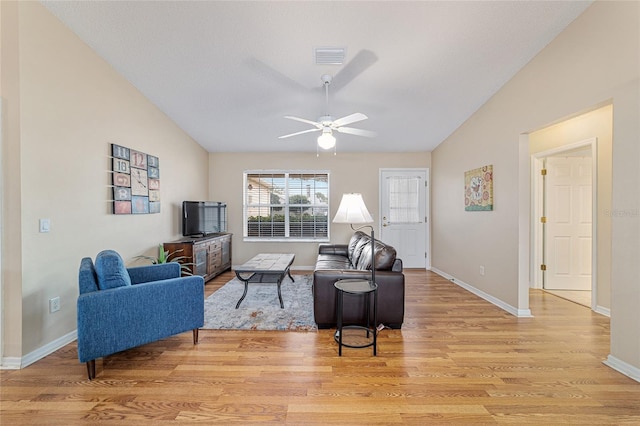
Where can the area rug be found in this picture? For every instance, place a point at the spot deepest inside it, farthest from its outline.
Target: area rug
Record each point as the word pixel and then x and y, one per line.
pixel 260 310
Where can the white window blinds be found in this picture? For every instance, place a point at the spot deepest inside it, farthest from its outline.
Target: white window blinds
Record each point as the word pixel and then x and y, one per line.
pixel 404 199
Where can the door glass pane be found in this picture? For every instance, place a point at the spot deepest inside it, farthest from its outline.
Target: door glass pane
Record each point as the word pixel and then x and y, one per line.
pixel 404 206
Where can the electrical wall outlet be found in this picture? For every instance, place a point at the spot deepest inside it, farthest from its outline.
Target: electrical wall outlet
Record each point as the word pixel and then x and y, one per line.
pixel 54 304
pixel 482 270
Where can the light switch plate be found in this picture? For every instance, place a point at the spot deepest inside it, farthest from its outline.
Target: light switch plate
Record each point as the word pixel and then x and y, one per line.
pixel 45 225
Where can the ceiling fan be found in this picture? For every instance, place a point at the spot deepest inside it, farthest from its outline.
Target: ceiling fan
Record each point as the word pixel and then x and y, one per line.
pixel 326 124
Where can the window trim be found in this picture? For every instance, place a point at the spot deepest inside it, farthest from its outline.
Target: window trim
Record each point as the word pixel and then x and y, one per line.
pixel 286 206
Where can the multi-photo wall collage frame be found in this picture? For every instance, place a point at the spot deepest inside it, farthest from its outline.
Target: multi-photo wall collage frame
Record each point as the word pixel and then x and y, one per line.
pixel 136 181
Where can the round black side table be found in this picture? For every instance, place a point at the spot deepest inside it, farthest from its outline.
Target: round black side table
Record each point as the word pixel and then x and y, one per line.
pixel 366 289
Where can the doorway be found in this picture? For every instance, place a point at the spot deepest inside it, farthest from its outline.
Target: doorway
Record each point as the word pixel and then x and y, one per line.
pixel 564 206
pixel 403 211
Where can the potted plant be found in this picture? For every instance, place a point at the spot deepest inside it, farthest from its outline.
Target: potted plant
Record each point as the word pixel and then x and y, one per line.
pixel 163 257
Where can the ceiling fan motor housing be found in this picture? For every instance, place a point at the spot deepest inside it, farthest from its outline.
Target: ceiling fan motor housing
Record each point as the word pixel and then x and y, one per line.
pixel 325 120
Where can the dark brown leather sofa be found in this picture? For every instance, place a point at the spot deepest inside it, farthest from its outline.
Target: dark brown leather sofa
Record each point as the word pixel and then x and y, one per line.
pixel 351 261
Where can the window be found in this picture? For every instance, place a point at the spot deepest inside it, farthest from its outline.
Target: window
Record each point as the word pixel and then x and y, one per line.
pixel 286 205
pixel 404 199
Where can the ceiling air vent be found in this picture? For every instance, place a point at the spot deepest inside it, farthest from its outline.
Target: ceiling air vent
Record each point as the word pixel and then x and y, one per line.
pixel 330 55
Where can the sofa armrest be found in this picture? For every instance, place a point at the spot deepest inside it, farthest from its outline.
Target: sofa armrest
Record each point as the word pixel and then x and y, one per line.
pixel 337 249
pixel 397 265
pixel 121 318
pixel 148 273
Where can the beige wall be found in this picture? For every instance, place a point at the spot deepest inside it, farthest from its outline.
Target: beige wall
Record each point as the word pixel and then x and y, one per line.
pixel 11 198
pixel 598 124
pixel 65 107
pixel 594 61
pixel 349 172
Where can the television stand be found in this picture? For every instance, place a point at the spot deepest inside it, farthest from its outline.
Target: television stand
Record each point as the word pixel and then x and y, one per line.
pixel 207 256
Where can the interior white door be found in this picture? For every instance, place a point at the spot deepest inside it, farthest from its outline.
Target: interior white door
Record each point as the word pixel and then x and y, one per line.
pixel 403 207
pixel 568 209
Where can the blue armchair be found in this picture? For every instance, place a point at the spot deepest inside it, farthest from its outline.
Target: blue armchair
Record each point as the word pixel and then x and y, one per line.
pixel 120 308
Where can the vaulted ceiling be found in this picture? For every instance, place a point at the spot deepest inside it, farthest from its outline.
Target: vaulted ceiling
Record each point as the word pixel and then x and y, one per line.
pixel 227 72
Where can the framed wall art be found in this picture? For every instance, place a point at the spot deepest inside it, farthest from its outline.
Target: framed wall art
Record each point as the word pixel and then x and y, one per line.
pixel 135 180
pixel 478 189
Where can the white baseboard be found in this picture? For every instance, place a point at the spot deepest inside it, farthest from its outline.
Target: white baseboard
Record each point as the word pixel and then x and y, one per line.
pixel 603 311
pixel 15 363
pixel 520 313
pixel 10 363
pixel 623 367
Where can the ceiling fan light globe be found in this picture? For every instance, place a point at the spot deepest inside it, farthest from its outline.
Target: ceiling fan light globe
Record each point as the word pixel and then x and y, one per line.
pixel 326 141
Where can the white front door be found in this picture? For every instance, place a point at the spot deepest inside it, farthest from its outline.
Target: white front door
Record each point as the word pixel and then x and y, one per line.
pixel 403 214
pixel 568 211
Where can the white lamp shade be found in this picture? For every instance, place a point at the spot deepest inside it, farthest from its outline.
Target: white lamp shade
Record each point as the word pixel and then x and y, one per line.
pixel 326 140
pixel 352 210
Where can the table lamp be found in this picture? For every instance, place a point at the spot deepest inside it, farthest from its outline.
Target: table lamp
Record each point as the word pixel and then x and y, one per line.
pixel 352 210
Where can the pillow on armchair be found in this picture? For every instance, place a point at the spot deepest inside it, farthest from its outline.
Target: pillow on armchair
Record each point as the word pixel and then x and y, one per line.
pixel 111 271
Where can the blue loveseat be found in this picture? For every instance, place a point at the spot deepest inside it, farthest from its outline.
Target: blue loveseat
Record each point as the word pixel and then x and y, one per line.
pixel 120 308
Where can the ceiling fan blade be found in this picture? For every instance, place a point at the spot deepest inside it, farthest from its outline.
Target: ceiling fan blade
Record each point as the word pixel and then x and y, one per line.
pixel 358 116
pixel 363 60
pixel 266 70
pixel 299 133
pixel 303 120
pixel 357 132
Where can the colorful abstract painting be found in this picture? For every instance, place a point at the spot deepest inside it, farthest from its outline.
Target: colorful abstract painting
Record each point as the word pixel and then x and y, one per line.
pixel 478 189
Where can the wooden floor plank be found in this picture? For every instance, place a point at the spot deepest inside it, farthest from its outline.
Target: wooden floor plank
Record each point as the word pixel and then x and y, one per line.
pixel 457 360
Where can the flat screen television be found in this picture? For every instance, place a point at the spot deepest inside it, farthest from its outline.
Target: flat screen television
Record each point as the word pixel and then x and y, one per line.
pixel 200 218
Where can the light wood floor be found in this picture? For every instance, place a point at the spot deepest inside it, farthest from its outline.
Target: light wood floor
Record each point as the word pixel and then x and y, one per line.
pixel 457 359
pixel 583 297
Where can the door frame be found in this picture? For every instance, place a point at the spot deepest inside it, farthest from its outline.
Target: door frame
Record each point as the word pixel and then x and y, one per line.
pixel 427 207
pixel 1 234
pixel 537 194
